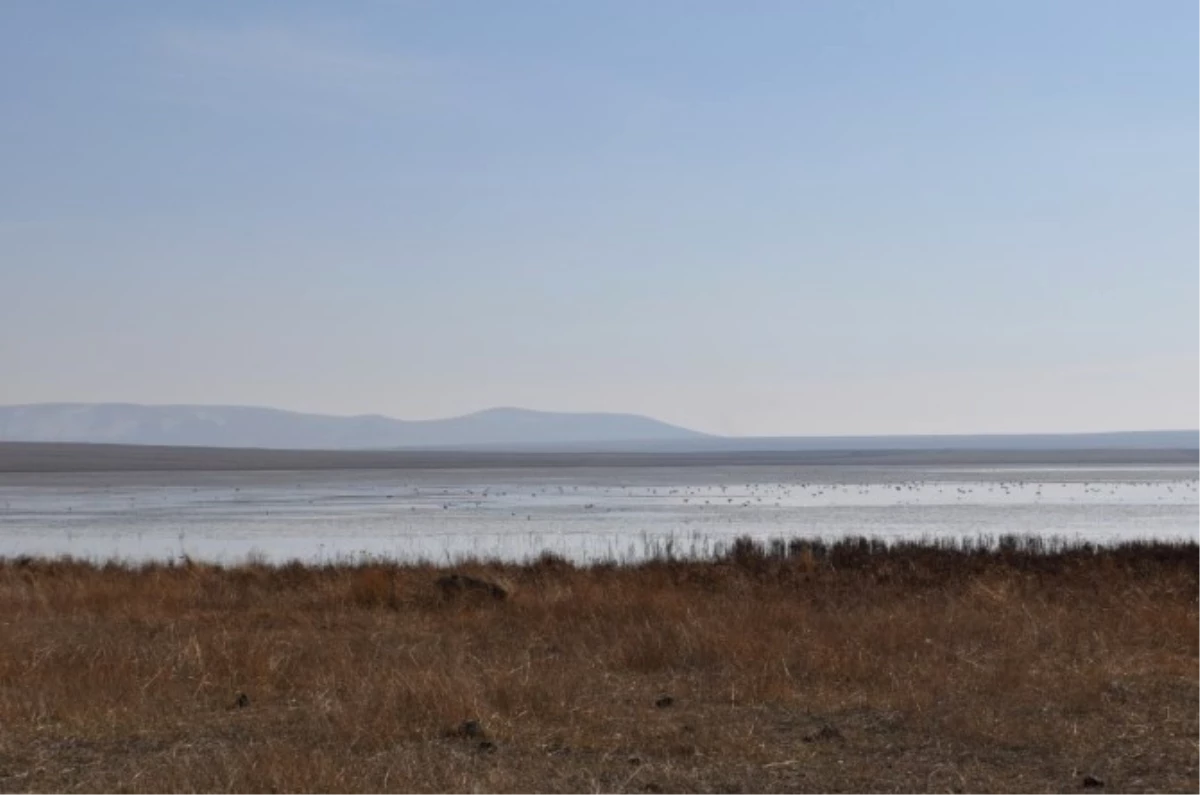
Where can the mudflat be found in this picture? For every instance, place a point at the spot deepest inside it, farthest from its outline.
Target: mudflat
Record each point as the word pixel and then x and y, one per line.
pixel 70 457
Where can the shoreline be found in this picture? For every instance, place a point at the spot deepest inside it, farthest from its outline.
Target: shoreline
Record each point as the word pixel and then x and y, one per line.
pixel 657 552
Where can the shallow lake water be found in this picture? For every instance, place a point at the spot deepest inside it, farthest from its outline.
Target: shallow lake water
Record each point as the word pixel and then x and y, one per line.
pixel 613 513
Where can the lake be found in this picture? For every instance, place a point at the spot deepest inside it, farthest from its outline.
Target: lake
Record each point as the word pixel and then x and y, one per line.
pixel 585 514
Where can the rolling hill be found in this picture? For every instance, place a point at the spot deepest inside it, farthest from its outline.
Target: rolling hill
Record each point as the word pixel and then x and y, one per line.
pixel 241 426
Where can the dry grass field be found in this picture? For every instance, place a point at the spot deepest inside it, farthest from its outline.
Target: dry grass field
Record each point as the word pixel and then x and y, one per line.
pixel 853 667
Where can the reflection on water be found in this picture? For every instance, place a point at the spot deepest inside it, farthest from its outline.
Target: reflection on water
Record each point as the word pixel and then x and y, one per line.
pixel 584 514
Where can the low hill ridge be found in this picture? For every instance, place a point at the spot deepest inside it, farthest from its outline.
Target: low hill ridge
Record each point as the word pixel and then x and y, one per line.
pixel 244 426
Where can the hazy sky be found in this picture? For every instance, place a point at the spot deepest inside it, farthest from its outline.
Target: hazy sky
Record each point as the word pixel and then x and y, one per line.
pixel 794 217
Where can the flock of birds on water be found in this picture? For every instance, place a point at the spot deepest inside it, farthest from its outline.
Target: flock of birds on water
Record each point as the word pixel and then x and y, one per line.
pixel 428 513
pixel 724 496
pixel 700 497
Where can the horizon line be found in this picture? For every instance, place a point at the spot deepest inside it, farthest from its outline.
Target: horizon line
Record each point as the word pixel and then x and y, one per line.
pixel 444 418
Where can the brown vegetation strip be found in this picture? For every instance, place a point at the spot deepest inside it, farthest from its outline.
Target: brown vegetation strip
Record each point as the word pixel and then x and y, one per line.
pixel 849 668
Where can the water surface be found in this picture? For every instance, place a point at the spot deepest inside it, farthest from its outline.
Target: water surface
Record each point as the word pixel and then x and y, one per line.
pixel 585 514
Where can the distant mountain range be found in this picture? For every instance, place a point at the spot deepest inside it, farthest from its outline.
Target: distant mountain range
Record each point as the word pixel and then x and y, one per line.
pixel 495 429
pixel 241 426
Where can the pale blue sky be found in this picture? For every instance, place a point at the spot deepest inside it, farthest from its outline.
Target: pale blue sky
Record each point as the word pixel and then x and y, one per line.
pixel 746 217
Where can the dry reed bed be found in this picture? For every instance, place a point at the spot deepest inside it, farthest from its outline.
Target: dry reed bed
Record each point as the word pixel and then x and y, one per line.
pixel 1009 667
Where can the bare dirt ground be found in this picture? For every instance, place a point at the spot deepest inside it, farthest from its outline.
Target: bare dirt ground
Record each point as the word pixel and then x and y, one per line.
pixel 823 669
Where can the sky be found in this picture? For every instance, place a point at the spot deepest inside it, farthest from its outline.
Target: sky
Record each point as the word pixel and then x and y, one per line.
pixel 748 218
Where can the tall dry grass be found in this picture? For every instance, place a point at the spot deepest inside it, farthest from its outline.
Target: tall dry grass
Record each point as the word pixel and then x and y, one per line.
pixel 1006 666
